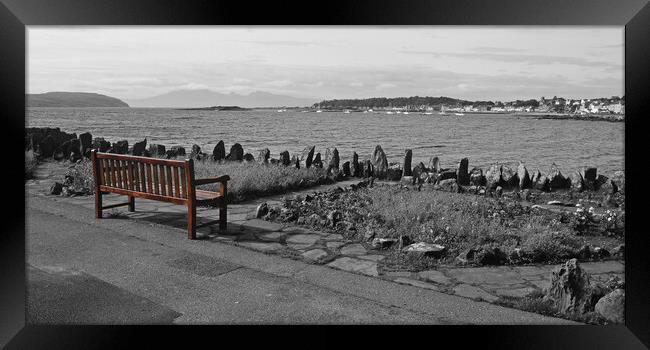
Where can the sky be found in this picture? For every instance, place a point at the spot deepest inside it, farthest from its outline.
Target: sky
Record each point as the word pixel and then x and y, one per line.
pixel 469 62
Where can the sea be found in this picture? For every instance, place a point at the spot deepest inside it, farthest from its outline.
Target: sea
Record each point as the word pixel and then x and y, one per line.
pixel 482 138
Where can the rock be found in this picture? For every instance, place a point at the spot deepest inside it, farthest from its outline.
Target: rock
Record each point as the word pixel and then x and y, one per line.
pixel 120 147
pixel 139 148
pixel 317 162
pixel 525 194
pixel 383 243
pixel 334 160
pixel 423 249
pixel 285 159
pixel 584 252
pixel 523 176
pixel 541 183
pixel 379 162
pixel 619 251
pixel 295 161
pixel 307 156
pixel 612 306
pixel 179 150
pixel 577 183
pixel 157 150
pixel 407 163
pixel 434 164
pixel 219 151
pixel 601 252
pixel 47 145
pixel 56 188
pixel 446 175
pixel 264 155
pixel 261 210
pixel 249 157
pixel 476 177
pixel 604 184
pixel 589 177
pixel 618 180
pixel 490 256
pixel 73 151
pixel 355 167
pixel 570 289
pixel 417 171
pixel 498 191
pixel 462 174
pixel 196 152
pixel 556 180
pixel 346 169
pixel 85 140
pixel 407 180
pixel 493 177
pixel 236 153
pixel 509 178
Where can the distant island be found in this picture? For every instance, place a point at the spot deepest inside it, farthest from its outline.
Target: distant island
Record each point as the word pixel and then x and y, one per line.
pixel 73 99
pixel 216 108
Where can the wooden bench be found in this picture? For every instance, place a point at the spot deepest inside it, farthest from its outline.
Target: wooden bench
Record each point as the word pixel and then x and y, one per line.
pixel 156 179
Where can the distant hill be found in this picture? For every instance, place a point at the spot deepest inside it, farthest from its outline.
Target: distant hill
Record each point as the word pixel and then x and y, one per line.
pixel 73 99
pixel 203 98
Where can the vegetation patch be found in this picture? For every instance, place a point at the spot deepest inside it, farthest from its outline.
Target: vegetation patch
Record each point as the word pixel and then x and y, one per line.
pixel 473 229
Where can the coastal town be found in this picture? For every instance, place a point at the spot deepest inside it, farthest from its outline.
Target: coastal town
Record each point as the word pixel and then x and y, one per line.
pixel 612 108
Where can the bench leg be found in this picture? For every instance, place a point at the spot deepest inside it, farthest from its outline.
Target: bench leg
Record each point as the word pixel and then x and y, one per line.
pixel 223 217
pixel 131 203
pixel 191 220
pixel 98 205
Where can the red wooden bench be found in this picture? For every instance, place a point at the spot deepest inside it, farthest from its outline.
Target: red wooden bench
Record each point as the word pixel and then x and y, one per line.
pixel 156 179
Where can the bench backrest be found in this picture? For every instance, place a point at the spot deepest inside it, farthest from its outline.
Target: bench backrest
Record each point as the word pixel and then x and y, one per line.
pixel 153 178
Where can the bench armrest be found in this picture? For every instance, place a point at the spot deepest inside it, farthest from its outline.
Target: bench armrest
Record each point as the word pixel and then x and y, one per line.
pixel 222 178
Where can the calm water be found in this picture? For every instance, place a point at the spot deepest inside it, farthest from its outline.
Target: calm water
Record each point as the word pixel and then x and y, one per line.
pixel 483 138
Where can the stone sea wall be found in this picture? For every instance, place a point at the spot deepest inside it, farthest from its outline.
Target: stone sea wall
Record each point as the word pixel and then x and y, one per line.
pixel 58 145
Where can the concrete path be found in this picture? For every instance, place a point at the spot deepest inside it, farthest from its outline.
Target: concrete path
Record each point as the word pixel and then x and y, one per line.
pixel 119 270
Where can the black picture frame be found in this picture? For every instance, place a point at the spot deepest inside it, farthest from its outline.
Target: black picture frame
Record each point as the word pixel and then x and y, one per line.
pixel 15 15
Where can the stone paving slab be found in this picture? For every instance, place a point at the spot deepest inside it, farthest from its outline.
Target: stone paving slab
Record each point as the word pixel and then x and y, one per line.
pixel 355 265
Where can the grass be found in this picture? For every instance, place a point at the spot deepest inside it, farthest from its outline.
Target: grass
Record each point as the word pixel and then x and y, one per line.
pixel 462 222
pixel 248 180
pixel 30 164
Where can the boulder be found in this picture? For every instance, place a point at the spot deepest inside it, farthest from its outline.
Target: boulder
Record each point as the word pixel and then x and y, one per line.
pixel 307 156
pixel 295 161
pixel 219 151
pixel 249 157
pixel 489 256
pixel 157 150
pixel 570 289
pixel 509 178
pixel 498 191
pixel 462 173
pixel 346 168
pixel 85 141
pixel 493 176
pixel 196 152
pixel 434 164
pixel 423 249
pixel 418 170
pixel 179 150
pixel 541 183
pixel 317 162
pixel 100 144
pixel 264 155
pixel 577 183
pixel 604 184
pixel 446 175
pixel 334 160
pixel 261 210
pixel 120 147
pixel 285 159
pixel 139 148
pixel 612 306
pixel 56 188
pixel 523 176
pixel 355 167
pixel 236 153
pixel 589 177
pixel 380 162
pixel 476 177
pixel 618 180
pixel 407 163
pixel 556 180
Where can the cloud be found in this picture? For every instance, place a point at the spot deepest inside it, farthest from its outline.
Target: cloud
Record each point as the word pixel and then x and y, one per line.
pixel 384 86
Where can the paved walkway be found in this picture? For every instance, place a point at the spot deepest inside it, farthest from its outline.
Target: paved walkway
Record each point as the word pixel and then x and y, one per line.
pixel 478 283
